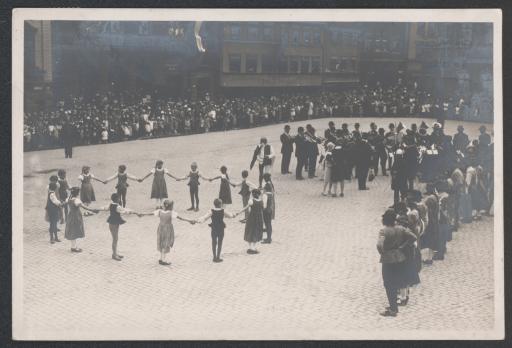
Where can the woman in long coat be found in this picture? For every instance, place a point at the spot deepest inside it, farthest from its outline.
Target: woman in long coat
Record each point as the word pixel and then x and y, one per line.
pixel 392 240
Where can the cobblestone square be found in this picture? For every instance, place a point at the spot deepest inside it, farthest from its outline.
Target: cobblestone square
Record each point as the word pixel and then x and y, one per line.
pixel 319 279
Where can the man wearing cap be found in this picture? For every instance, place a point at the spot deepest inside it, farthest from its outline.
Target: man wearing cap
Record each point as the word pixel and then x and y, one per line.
pixel 460 139
pixel 286 150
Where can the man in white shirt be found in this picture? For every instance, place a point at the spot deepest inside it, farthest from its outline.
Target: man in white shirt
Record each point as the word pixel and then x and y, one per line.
pixel 264 154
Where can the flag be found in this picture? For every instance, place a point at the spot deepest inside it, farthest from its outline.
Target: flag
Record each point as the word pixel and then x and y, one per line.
pixel 199 41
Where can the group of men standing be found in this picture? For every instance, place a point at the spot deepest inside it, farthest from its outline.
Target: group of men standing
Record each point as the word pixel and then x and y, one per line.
pixel 406 153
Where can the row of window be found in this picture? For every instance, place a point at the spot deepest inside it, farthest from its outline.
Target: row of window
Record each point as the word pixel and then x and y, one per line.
pixel 267 64
pixel 265 32
pixel 253 64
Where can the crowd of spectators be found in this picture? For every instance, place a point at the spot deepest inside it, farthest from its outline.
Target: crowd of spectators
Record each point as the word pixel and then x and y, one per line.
pixel 112 117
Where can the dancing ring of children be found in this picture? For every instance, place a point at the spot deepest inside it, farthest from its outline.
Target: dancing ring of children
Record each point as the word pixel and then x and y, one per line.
pixel 320 277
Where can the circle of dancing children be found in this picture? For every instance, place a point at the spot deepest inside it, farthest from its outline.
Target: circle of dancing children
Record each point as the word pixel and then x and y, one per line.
pixel 259 213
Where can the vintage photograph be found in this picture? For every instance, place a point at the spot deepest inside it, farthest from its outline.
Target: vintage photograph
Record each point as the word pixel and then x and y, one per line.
pixel 257 175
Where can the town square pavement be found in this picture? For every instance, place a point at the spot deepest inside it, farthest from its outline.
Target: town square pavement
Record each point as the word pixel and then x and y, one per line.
pixel 320 277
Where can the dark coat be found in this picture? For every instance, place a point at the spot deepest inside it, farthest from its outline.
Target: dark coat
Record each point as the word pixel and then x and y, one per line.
pixel 460 141
pixel 362 154
pixel 286 143
pixel 399 174
pixel 68 133
pixel 300 146
pixel 391 242
pixel 341 168
pixel 411 156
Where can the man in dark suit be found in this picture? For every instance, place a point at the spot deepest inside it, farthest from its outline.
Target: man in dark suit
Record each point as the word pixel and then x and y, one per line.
pixel 300 153
pixel 330 133
pixel 363 159
pixel 460 139
pixel 286 150
pixel 68 135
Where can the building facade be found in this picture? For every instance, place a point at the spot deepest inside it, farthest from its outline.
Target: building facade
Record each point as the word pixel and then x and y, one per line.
pixel 83 57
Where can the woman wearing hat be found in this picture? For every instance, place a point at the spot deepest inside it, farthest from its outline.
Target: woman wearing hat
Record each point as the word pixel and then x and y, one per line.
pixel 392 240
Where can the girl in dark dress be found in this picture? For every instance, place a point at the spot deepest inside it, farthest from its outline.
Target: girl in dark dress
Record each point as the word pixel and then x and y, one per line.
pixel 254 225
pixel 114 221
pixel 225 190
pixel 86 189
pixel 245 191
pixel 63 193
pixel 74 221
pixel 159 187
pixel 122 183
pixel 217 215
pixel 477 191
pixel 193 184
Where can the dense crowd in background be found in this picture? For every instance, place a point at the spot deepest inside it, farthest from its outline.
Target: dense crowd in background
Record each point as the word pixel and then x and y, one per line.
pixel 118 116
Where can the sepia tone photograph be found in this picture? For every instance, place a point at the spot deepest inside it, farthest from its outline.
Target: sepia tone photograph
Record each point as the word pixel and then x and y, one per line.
pixel 257 175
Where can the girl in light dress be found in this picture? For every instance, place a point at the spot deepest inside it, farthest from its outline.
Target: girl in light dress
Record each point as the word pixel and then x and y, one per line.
pixel 86 189
pixel 159 187
pixel 74 221
pixel 122 183
pixel 165 231
pixel 225 190
pixel 329 164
